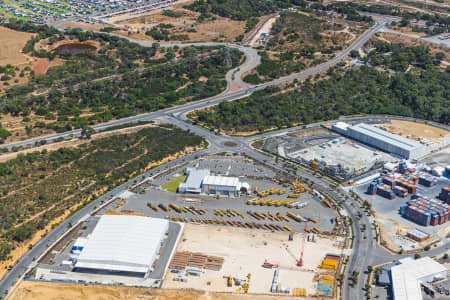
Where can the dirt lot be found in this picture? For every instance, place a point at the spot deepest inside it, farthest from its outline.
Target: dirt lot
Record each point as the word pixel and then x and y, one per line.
pixel 409 41
pixel 244 251
pixel 11 44
pixel 222 28
pixel 41 65
pixel 122 17
pixel 82 25
pixel 62 291
pixel 416 131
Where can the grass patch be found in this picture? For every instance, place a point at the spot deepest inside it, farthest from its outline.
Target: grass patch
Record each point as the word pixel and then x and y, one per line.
pixel 172 186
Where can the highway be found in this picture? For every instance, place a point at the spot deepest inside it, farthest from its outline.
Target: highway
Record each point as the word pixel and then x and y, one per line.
pixel 365 248
pixel 251 61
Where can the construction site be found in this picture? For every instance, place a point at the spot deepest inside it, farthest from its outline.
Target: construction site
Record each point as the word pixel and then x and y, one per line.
pixel 255 262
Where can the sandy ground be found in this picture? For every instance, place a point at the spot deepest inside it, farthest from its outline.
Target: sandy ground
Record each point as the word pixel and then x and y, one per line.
pixel 41 65
pixel 82 25
pixel 385 234
pixel 123 17
pixel 264 29
pixel 29 290
pixel 416 131
pixel 245 251
pixel 11 44
pixel 221 28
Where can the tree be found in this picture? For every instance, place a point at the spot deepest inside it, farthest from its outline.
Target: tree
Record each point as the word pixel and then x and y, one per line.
pixel 354 53
pixel 87 132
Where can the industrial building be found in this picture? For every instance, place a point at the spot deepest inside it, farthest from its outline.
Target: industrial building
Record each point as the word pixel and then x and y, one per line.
pixel 382 139
pixel 409 274
pixel 194 180
pixel 200 181
pixel 418 235
pixel 123 244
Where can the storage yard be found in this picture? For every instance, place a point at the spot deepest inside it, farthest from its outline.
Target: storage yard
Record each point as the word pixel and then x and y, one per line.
pixel 276 206
pixel 325 150
pixel 342 157
pixel 244 252
pixel 283 238
pixel 406 197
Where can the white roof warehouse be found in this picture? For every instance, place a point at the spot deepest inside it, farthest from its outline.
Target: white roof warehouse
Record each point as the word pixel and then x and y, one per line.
pixel 122 243
pixel 381 139
pixel 410 273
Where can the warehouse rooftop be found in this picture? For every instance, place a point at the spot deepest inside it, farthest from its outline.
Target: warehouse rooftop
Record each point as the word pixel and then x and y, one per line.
pixel 380 134
pixel 123 243
pixel 193 183
pixel 410 273
pixel 221 180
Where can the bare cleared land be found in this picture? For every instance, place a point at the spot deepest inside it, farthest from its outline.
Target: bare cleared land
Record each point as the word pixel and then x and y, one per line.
pixel 416 131
pixel 219 29
pixel 29 290
pixel 11 44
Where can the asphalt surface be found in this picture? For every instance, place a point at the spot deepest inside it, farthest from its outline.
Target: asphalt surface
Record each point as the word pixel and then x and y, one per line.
pixel 365 248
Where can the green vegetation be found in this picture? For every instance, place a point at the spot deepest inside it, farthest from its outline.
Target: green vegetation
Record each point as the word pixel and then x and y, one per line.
pixel 241 9
pixel 172 186
pixel 399 57
pixel 119 80
pixel 52 182
pixel 161 32
pixel 351 9
pixel 297 41
pixel 365 90
pixel 173 13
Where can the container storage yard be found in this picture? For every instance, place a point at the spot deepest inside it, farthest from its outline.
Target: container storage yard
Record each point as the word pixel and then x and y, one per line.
pixel 408 195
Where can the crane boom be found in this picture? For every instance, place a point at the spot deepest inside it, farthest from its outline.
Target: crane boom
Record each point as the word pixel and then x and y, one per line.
pixel 300 260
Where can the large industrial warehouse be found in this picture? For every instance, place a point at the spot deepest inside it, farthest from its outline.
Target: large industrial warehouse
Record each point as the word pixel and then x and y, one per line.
pixel 123 244
pixel 382 139
pixel 409 274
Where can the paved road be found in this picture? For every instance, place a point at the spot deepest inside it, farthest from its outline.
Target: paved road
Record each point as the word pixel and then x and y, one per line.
pixel 363 247
pixel 252 60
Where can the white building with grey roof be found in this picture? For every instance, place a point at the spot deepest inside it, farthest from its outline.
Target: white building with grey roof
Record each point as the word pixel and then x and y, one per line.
pixel 382 139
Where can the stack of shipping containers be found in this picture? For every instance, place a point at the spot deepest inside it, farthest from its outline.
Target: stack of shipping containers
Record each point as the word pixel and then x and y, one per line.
pixel 445 194
pixel 426 212
pixel 427 180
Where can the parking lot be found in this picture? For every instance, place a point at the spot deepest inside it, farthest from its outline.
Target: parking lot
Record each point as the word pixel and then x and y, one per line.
pixel 48 11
